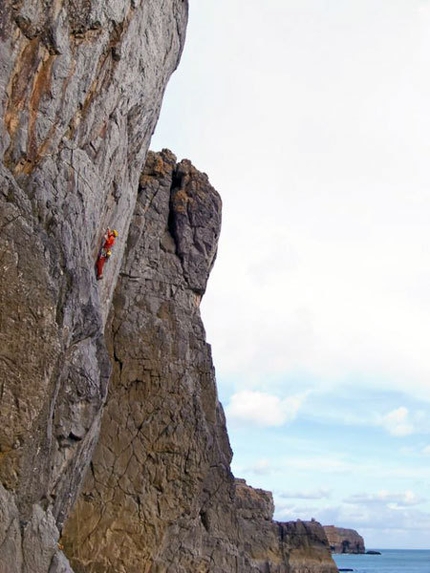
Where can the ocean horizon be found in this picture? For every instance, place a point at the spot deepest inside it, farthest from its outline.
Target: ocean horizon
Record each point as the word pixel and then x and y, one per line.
pixel 389 561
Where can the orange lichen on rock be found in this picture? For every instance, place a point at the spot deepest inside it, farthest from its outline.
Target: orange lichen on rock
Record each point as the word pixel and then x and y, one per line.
pixel 30 82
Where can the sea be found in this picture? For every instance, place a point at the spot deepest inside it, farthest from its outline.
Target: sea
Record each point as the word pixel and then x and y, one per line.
pixel 390 561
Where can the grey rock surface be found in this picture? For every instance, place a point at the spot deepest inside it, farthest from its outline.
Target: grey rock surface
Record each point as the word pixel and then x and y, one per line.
pixel 163 448
pixel 81 84
pixel 160 495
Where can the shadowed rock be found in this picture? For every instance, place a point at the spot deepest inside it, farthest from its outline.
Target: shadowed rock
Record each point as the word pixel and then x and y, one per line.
pixel 342 540
pixel 75 124
pixel 81 85
pixel 160 495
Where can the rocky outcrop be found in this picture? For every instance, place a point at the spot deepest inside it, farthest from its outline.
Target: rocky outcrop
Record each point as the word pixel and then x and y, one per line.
pixel 283 547
pixel 81 84
pixel 342 540
pixel 307 547
pixel 160 495
pixel 162 449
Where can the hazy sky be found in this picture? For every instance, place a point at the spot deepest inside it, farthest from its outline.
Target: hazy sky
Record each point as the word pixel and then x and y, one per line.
pixel 312 120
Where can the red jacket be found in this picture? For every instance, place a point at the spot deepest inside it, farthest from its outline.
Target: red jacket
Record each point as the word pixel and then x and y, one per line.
pixel 109 241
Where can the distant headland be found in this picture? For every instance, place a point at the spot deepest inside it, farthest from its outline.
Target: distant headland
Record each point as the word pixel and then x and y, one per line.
pixel 342 540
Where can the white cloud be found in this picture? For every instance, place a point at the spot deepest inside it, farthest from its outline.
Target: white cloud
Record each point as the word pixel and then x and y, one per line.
pixel 262 409
pixel 321 279
pixel 388 499
pixel 321 493
pixel 404 422
pixel 324 464
pixel 398 423
pixel 261 467
pixel 424 8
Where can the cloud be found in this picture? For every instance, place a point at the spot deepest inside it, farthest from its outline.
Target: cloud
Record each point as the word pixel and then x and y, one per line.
pixel 262 409
pixel 325 229
pixel 397 422
pixel 402 422
pixel 261 467
pixel 327 464
pixel 392 500
pixel 319 281
pixel 321 493
pixel 424 8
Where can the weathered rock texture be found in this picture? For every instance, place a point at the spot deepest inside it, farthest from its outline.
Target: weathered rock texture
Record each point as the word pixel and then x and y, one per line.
pixel 81 84
pixel 160 495
pixel 291 547
pixel 306 544
pixel 343 540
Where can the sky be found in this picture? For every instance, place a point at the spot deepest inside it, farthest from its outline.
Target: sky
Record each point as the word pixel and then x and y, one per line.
pixel 312 120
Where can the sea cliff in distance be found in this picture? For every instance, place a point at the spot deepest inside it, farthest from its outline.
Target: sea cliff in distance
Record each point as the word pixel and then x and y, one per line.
pixel 342 540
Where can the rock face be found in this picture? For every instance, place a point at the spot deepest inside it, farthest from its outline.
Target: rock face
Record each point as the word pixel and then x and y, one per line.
pixel 288 547
pixel 306 545
pixel 343 540
pixel 160 450
pixel 160 495
pixel 81 84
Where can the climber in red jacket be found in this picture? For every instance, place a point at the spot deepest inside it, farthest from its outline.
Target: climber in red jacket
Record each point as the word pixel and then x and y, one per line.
pixel 105 251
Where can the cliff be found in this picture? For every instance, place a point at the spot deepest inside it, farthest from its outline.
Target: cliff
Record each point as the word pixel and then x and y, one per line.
pixel 111 433
pixel 160 488
pixel 343 540
pixel 81 84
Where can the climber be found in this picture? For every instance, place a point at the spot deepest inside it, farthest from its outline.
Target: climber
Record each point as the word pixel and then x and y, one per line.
pixel 105 251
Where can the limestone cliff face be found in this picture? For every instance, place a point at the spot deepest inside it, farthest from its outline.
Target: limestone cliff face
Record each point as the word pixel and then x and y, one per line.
pixel 278 547
pixel 342 540
pixel 160 495
pixel 81 84
pixel 306 544
pixel 161 449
